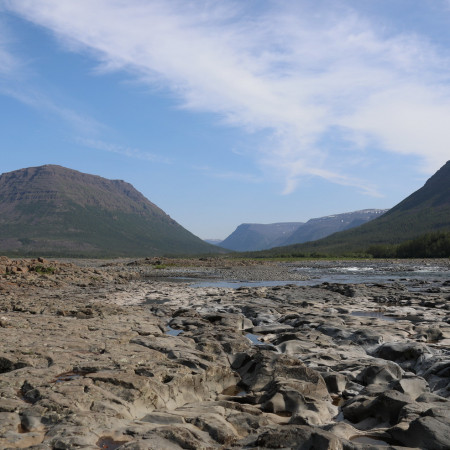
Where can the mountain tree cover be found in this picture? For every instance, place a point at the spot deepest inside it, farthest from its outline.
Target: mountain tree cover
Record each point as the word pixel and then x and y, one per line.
pixel 55 211
pixel 430 245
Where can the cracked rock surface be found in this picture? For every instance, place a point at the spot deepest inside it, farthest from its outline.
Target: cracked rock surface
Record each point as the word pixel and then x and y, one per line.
pixel 121 355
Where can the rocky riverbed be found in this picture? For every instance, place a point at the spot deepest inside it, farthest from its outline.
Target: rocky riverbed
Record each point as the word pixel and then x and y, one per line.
pixel 128 354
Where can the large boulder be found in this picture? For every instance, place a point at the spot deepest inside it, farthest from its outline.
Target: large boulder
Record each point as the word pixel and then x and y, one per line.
pixel 386 407
pixel 430 431
pixel 259 369
pixel 299 438
pixel 409 355
pixel 380 372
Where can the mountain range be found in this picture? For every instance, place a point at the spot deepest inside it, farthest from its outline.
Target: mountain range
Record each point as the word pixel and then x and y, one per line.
pixel 54 211
pixel 254 237
pixel 257 236
pixel 424 211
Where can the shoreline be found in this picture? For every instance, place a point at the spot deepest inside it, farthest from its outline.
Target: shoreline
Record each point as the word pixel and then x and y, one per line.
pixel 87 360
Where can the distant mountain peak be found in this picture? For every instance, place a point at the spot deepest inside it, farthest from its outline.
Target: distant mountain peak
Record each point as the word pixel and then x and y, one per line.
pixel 324 226
pixel 256 236
pixel 424 211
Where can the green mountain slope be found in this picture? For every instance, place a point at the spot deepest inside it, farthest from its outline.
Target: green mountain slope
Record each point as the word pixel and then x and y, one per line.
pixel 54 211
pixel 424 211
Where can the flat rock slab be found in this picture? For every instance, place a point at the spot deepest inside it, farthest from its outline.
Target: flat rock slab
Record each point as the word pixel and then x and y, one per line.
pixel 88 360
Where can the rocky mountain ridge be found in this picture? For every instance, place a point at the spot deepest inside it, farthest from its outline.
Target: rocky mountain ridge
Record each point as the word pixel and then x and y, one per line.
pixel 324 226
pixel 52 210
pixel 254 237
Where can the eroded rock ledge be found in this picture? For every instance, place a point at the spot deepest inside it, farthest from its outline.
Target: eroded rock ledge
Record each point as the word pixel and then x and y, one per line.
pixel 100 356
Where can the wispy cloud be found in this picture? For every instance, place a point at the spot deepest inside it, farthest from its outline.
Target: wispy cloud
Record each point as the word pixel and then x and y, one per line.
pixel 293 72
pixel 33 98
pixel 125 151
pixel 228 175
pixel 8 63
pixel 16 82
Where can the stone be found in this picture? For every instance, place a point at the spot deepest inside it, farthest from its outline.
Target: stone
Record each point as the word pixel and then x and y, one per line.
pixel 336 382
pixel 380 372
pixel 271 328
pixel 31 421
pixel 425 432
pixel 386 407
pixel 86 361
pixel 407 354
pixel 290 396
pixel 414 386
pixel 299 438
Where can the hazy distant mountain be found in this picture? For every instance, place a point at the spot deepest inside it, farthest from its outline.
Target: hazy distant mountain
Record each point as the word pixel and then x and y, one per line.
pixel 213 241
pixel 256 236
pixel 424 211
pixel 324 226
pixel 54 211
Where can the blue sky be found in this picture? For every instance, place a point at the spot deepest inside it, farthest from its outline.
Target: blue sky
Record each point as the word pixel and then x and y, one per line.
pixel 224 112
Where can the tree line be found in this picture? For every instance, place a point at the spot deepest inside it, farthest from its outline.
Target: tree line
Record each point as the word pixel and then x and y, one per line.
pixel 430 245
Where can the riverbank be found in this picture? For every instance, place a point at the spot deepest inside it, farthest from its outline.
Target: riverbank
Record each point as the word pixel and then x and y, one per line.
pixel 128 354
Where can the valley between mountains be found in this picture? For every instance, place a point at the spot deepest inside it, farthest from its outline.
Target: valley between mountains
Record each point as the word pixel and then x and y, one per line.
pixel 59 212
pixel 213 351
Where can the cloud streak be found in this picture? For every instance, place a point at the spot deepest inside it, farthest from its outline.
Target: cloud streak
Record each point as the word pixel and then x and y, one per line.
pixel 228 175
pixel 297 72
pixel 125 151
pixel 14 83
pixel 39 101
pixel 8 63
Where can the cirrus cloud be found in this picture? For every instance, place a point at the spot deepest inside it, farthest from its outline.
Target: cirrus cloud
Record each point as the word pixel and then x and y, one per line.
pixel 300 73
pixel 121 150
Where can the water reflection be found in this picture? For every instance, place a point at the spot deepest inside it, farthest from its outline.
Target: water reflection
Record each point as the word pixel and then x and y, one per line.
pixel 172 331
pixel 353 273
pixel 375 314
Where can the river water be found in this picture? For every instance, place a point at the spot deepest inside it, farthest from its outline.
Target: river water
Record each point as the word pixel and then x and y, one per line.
pixel 414 274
